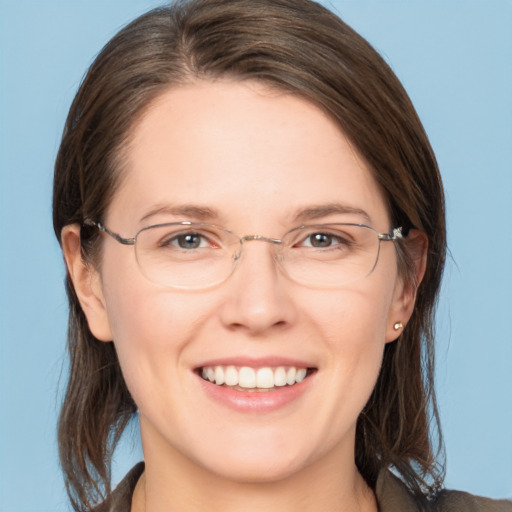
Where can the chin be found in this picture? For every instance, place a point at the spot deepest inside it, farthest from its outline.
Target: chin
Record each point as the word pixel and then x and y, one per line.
pixel 259 459
pixel 261 471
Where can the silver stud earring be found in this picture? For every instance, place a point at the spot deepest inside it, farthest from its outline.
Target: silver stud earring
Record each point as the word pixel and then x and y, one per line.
pixel 398 326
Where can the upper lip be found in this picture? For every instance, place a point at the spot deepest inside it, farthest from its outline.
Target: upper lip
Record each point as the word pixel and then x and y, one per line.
pixel 256 362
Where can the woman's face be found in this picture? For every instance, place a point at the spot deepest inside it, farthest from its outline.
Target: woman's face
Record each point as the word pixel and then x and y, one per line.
pixel 256 162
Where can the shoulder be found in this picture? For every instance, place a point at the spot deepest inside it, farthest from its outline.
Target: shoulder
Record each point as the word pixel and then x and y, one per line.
pixel 394 496
pixel 121 499
pixel 457 500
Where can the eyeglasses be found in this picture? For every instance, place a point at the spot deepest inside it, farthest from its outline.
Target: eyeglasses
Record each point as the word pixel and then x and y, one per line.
pixel 189 255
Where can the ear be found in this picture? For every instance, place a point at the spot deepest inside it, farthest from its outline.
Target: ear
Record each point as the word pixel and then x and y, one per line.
pixel 86 282
pixel 404 295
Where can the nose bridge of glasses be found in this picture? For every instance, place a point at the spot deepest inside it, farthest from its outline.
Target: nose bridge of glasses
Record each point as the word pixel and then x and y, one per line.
pixel 248 238
pixel 258 238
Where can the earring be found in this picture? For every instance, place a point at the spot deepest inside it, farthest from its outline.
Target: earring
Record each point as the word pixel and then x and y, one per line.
pixel 398 326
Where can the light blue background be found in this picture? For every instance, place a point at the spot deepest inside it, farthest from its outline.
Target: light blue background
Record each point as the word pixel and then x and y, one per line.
pixel 454 58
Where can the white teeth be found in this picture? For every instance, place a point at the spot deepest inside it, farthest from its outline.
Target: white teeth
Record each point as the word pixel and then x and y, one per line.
pixel 280 377
pixel 246 377
pixel 301 375
pixel 290 376
pixel 265 378
pixel 231 376
pixel 250 378
pixel 219 375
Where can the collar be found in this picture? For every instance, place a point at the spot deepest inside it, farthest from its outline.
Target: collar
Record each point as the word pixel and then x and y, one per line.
pixel 393 495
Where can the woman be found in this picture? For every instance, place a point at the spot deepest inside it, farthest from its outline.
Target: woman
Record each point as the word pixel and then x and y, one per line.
pixel 272 324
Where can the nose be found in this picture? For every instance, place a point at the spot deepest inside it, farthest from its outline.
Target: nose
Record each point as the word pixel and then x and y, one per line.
pixel 258 296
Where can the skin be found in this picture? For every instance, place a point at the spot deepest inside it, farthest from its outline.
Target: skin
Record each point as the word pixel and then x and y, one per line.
pixel 256 157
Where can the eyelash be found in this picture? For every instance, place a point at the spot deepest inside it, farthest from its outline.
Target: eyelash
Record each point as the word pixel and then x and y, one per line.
pixel 168 241
pixel 334 239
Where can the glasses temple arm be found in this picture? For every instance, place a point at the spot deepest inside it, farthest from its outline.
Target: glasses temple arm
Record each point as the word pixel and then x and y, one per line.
pixel 115 236
pixel 394 235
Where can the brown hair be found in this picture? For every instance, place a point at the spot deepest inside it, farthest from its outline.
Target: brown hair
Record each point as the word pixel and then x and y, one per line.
pixel 296 46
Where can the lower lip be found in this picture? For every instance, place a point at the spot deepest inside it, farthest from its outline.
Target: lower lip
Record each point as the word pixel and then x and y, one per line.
pixel 256 401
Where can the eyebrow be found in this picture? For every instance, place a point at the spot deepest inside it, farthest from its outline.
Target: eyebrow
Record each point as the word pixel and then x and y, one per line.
pixel 196 212
pixel 325 210
pixel 205 213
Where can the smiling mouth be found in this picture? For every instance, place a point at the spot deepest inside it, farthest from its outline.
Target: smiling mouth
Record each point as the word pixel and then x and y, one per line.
pixel 245 378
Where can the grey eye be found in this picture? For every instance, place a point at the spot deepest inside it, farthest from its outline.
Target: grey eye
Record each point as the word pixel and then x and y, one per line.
pixel 189 241
pixel 321 240
pixel 185 241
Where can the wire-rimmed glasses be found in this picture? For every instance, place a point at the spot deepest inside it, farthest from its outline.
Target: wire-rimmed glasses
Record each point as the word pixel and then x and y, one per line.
pixel 190 255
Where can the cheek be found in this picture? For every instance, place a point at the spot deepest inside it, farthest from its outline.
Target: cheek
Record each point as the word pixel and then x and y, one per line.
pixel 141 314
pixel 354 316
pixel 151 329
pixel 356 339
pixel 352 323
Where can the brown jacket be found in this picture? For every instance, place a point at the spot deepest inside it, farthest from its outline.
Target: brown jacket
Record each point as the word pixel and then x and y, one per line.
pixel 392 496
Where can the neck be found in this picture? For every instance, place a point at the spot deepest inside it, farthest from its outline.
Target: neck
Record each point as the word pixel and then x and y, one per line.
pixel 178 484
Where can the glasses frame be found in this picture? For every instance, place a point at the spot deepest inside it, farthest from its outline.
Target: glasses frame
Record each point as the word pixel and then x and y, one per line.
pixel 393 235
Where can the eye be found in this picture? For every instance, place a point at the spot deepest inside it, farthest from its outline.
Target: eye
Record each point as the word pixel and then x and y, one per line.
pixel 187 241
pixel 321 240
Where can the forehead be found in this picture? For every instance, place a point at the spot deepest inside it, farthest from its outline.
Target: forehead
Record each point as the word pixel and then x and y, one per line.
pixel 245 152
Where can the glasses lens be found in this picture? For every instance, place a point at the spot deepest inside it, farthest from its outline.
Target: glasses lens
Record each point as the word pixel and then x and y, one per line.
pixel 186 256
pixel 329 255
pixel 195 256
